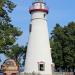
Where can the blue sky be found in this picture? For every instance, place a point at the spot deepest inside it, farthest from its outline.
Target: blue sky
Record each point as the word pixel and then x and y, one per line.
pixel 60 11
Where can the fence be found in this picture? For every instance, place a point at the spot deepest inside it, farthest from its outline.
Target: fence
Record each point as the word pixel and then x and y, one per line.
pixel 63 73
pixel 54 73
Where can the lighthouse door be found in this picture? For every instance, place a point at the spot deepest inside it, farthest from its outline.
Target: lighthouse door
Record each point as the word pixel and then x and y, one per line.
pixel 41 66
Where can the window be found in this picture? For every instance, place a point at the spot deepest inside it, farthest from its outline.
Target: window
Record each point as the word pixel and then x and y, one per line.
pixel 41 66
pixel 44 15
pixel 30 27
pixel 9 63
pixel 13 74
pixel 4 74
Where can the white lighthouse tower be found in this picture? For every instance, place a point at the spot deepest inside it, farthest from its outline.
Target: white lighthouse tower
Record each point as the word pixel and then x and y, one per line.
pixel 38 57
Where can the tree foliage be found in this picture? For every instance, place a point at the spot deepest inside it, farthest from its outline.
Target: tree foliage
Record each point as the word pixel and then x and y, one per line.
pixel 6 6
pixel 16 52
pixel 63 46
pixel 8 32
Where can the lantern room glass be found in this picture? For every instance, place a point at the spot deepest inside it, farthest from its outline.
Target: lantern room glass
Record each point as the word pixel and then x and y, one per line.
pixel 38 0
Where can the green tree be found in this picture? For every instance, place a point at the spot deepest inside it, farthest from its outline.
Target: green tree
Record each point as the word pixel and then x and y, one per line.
pixel 15 52
pixel 63 46
pixel 6 6
pixel 55 40
pixel 8 32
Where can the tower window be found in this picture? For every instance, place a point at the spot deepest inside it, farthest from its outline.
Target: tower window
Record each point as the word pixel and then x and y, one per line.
pixel 44 15
pixel 41 66
pixel 30 28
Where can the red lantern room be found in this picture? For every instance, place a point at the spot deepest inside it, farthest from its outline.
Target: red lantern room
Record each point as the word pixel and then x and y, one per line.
pixel 38 5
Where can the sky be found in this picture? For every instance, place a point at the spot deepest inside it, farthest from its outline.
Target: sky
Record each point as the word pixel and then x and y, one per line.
pixel 60 11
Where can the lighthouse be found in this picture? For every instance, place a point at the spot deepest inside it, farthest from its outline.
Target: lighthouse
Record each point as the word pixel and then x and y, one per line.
pixel 38 56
